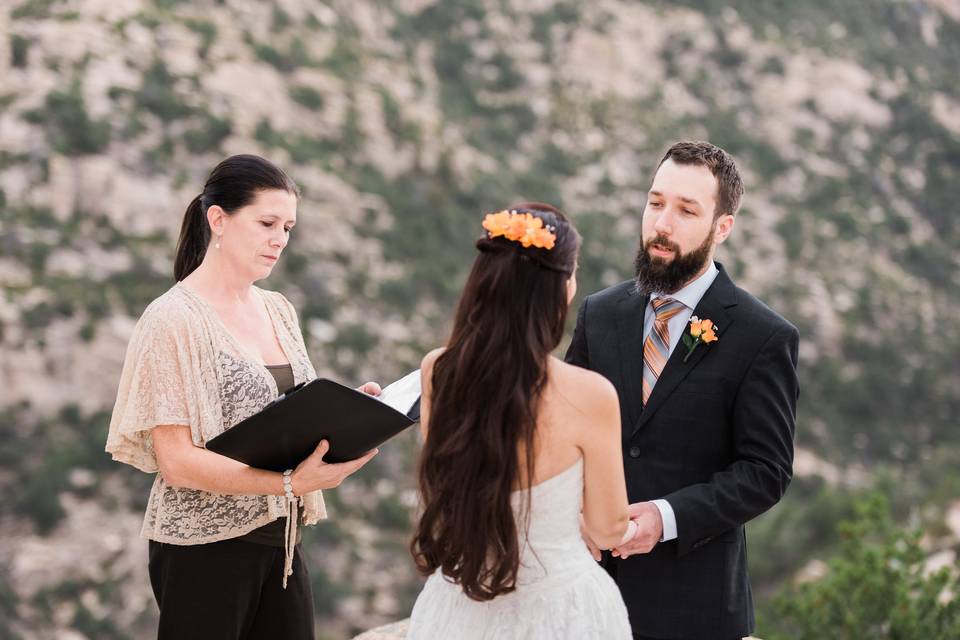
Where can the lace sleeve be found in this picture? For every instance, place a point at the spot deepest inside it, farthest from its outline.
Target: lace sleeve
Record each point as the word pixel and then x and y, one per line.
pixel 288 314
pixel 153 390
pixel 298 335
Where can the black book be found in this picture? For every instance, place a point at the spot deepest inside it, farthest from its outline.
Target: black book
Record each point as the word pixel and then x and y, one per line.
pixel 288 429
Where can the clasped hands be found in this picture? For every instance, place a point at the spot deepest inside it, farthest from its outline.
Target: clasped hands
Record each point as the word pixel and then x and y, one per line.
pixel 648 533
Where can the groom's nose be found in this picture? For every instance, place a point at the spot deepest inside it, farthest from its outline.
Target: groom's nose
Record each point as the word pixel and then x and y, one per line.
pixel 663 225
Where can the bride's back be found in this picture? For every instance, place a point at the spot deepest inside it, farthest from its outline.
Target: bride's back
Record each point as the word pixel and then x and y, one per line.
pixel 565 417
pixel 548 512
pixel 560 592
pixel 500 414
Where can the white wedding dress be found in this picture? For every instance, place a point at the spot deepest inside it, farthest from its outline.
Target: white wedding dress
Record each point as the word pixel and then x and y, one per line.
pixel 562 593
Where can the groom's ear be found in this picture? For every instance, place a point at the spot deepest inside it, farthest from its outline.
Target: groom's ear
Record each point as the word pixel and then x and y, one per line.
pixel 724 226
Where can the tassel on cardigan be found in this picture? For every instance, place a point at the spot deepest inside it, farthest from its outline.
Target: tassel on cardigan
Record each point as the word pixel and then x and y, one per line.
pixel 290 537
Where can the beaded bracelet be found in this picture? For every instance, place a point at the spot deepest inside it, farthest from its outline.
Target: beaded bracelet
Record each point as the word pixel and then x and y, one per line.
pixel 288 484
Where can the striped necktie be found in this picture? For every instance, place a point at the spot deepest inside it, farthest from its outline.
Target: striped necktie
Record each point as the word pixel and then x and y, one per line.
pixel 656 348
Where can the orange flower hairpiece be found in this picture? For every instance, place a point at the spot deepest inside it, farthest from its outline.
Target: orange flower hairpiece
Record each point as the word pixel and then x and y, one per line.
pixel 519 226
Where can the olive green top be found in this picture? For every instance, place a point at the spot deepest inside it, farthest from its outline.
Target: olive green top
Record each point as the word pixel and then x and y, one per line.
pixel 272 533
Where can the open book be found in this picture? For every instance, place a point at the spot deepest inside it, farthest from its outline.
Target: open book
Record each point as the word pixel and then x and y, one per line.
pixel 288 429
pixel 404 395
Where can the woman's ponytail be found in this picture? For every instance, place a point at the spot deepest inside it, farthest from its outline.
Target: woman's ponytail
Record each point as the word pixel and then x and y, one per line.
pixel 194 238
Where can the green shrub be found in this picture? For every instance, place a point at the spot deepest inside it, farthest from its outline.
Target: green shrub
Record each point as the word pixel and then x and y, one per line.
pixel 876 588
pixel 158 96
pixel 307 96
pixel 19 47
pixel 267 135
pixel 280 19
pixel 390 513
pixel 209 135
pixel 69 128
pixel 69 440
pixel 37 9
pixel 351 134
pixel 401 130
pixel 42 314
pixel 345 60
pixel 207 31
pixel 8 606
pixel 306 149
pixel 294 57
pixel 326 591
pixel 773 65
pixel 356 338
pixel 168 5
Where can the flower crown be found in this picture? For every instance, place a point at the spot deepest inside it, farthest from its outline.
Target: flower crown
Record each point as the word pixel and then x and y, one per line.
pixel 520 226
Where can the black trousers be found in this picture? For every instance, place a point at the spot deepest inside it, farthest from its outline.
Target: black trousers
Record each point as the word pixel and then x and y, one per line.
pixel 230 590
pixel 611 568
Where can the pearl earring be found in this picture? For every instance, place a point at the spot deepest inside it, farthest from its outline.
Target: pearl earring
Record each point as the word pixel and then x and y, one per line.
pixel 217 245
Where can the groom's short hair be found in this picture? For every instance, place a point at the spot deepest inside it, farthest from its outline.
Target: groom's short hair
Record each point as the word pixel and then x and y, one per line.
pixel 721 165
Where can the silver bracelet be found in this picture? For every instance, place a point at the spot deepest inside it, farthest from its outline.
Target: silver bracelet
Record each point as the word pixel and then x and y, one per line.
pixel 288 485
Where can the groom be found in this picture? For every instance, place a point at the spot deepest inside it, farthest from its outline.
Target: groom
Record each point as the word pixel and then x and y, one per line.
pixel 707 408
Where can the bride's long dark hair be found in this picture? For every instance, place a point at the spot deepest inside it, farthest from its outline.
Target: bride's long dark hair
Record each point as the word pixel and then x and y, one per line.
pixel 483 407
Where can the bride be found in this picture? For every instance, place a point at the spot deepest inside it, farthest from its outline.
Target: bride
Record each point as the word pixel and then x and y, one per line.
pixel 520 451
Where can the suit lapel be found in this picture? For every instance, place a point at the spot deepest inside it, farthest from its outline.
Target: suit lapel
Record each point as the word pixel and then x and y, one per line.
pixel 630 341
pixel 714 306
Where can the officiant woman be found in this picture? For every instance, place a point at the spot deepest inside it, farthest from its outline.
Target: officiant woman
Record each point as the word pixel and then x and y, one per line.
pixel 214 349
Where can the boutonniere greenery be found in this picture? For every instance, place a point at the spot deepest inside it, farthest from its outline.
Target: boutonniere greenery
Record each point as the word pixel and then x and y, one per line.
pixel 701 332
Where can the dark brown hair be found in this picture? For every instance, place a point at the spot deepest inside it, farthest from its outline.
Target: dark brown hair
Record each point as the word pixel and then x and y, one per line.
pixel 232 184
pixel 483 411
pixel 721 165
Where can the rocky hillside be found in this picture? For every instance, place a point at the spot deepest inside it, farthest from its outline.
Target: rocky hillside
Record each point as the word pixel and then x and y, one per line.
pixel 403 121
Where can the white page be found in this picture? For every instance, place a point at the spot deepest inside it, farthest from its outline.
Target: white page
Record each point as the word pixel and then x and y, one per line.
pixel 403 393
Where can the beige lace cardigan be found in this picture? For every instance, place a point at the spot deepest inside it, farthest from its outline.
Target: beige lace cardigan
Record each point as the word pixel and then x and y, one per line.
pixel 183 367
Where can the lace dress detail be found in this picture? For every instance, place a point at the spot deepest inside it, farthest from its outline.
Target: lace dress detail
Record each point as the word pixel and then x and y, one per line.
pixel 562 593
pixel 183 367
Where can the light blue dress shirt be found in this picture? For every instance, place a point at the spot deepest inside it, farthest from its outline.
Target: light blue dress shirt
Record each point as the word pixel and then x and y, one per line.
pixel 690 296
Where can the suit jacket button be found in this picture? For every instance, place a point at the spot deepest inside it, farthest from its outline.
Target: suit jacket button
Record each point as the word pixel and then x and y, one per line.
pixel 634 452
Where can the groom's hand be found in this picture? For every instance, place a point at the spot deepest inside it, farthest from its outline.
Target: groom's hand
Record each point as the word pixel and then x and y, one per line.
pixel 649 530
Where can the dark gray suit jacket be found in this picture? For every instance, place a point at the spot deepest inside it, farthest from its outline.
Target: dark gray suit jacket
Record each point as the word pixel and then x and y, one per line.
pixel 715 440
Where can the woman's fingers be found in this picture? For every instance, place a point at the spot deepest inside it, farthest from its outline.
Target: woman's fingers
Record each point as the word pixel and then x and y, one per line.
pixel 321 450
pixel 370 388
pixel 313 473
pixel 353 465
pixel 315 459
pixel 341 470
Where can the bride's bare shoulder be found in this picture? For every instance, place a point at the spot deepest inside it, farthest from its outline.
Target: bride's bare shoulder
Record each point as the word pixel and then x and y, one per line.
pixel 426 364
pixel 586 390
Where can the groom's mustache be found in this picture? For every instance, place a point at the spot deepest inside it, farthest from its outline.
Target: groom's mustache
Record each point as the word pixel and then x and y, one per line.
pixel 663 243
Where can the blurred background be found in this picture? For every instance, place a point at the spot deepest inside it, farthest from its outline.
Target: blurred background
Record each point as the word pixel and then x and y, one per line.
pixel 403 121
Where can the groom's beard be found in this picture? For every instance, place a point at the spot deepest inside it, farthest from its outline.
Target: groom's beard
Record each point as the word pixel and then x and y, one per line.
pixel 656 275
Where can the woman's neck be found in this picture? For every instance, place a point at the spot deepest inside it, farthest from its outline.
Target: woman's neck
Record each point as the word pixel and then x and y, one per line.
pixel 218 284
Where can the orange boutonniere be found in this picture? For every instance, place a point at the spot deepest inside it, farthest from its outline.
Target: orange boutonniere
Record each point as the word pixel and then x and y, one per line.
pixel 701 331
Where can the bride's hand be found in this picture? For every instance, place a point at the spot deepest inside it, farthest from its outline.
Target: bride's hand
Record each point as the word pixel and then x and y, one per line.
pixel 591 545
pixel 313 473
